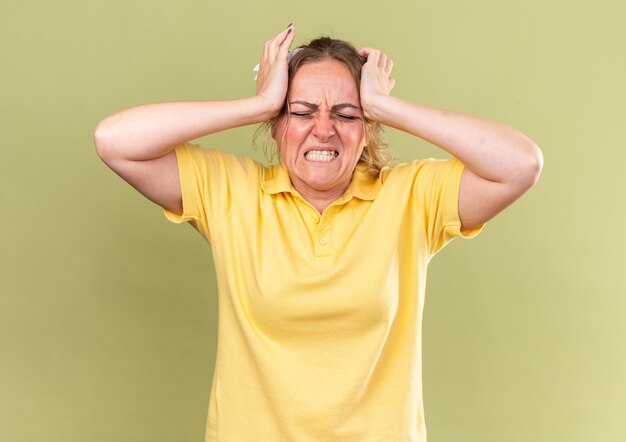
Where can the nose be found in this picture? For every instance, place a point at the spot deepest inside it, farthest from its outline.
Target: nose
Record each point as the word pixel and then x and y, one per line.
pixel 324 127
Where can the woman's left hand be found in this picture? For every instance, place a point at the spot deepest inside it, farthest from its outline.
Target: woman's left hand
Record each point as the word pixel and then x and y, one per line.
pixel 376 81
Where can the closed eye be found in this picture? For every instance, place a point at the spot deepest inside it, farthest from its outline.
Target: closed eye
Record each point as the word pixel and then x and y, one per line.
pixel 348 117
pixel 301 114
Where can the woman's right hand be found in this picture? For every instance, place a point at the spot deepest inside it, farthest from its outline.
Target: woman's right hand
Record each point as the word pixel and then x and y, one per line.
pixel 138 143
pixel 272 79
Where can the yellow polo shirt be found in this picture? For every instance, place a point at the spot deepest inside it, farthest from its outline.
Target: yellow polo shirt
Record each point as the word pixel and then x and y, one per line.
pixel 319 335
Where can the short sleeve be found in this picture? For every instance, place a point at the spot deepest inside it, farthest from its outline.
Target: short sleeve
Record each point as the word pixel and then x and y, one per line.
pixel 436 195
pixel 210 182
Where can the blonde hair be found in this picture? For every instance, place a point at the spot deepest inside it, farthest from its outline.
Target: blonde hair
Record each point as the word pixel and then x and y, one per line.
pixel 323 48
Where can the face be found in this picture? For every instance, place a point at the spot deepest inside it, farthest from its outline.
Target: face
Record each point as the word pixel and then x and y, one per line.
pixel 321 138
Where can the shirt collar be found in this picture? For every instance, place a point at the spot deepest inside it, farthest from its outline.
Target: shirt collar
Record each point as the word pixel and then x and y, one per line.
pixel 364 185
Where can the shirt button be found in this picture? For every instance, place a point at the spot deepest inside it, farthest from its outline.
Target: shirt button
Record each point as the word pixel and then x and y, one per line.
pixel 315 219
pixel 323 241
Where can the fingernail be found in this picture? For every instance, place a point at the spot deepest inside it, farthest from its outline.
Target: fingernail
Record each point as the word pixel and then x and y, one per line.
pixel 289 31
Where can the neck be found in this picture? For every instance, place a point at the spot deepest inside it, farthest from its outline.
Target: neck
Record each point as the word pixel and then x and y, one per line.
pixel 320 199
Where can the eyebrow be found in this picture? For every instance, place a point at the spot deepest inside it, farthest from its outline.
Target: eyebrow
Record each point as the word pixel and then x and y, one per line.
pixel 336 107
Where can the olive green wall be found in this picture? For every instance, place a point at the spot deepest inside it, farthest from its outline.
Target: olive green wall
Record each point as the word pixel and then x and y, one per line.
pixel 108 312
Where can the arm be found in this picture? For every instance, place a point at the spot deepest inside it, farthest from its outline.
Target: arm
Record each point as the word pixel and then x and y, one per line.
pixel 501 164
pixel 138 143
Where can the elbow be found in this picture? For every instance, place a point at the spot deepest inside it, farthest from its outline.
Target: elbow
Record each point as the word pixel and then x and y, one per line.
pixel 530 167
pixel 535 162
pixel 102 140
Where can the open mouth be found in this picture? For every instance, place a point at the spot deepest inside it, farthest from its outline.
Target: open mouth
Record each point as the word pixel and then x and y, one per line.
pixel 321 155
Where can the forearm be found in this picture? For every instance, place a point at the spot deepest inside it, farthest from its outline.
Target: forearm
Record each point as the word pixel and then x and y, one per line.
pixel 151 131
pixel 493 151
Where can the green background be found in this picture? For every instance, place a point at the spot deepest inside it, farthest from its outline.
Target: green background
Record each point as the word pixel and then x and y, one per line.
pixel 108 312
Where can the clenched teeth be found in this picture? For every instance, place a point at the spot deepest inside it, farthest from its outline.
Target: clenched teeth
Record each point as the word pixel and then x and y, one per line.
pixel 321 155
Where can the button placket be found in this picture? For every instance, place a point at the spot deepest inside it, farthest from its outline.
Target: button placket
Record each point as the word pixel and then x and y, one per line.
pixel 320 228
pixel 323 238
pixel 309 215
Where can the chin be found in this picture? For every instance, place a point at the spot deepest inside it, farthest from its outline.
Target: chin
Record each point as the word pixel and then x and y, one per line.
pixel 322 183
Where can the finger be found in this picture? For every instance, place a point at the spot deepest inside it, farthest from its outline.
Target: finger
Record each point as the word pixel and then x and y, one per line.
pixel 266 50
pixel 277 41
pixel 280 37
pixel 288 33
pixel 382 61
pixel 373 57
pixel 388 66
pixel 369 54
pixel 392 83
pixel 286 44
pixel 364 52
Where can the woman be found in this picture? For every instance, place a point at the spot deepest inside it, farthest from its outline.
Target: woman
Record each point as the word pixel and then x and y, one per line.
pixel 321 260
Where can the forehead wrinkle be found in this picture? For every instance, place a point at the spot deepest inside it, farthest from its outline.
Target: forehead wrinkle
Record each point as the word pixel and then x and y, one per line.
pixel 344 105
pixel 336 107
pixel 321 85
pixel 305 103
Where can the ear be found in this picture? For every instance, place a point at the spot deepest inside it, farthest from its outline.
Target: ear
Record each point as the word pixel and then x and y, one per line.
pixel 279 128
